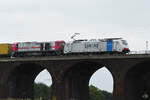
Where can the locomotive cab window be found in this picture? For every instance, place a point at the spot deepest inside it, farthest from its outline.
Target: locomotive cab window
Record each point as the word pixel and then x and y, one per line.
pixel 63 43
pixel 59 44
pixel 124 42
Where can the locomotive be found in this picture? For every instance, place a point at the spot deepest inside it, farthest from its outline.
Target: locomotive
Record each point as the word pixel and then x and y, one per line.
pixel 108 45
pixel 82 46
pixel 37 48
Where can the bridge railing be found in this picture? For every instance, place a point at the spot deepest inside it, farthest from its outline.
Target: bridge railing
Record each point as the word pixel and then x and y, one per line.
pixel 140 52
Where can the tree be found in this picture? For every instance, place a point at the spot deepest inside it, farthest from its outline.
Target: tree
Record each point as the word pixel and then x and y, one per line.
pixel 97 94
pixel 42 91
pixel 106 95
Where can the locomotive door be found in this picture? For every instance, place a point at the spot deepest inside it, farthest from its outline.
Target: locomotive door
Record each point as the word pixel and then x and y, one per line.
pixel 41 47
pixel 47 45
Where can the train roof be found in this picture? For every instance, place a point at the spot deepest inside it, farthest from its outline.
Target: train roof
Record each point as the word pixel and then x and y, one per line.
pixel 93 40
pixel 110 39
pixel 80 40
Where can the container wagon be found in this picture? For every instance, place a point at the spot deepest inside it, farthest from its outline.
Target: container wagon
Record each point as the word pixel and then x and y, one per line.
pixel 5 50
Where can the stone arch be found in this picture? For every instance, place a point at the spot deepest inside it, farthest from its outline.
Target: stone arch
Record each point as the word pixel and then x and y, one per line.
pixel 108 80
pixel 20 81
pixel 44 77
pixel 77 78
pixel 137 81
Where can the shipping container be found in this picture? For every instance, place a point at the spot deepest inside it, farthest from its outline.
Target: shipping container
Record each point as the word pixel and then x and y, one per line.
pixel 4 49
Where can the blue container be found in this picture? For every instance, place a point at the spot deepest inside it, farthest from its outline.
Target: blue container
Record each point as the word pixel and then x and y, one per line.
pixel 109 45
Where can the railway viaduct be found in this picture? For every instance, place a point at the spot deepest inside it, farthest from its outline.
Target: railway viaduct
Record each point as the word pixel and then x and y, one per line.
pixel 71 75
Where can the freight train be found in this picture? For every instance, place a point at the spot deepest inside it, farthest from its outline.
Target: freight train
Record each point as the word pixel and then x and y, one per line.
pixel 84 46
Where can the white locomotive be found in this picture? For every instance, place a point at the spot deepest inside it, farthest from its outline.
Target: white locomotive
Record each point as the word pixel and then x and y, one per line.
pixel 97 46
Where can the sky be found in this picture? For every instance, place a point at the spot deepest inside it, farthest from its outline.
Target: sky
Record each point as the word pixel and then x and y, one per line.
pixel 48 20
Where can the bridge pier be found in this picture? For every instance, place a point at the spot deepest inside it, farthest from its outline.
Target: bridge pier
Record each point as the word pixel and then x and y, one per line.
pixel 74 85
pixel 17 80
pixel 70 91
pixel 119 71
pixel 118 93
pixel 137 81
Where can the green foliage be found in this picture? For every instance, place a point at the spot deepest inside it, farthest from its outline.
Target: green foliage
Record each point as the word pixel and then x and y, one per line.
pixel 97 94
pixel 106 95
pixel 42 91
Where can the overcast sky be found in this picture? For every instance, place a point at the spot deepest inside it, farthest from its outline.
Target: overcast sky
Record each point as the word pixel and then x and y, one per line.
pixel 46 20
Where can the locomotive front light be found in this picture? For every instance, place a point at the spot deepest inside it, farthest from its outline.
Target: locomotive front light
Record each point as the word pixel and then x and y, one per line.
pixel 126 49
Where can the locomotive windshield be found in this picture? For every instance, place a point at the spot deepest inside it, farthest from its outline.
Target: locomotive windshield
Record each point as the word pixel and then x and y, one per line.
pixel 124 42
